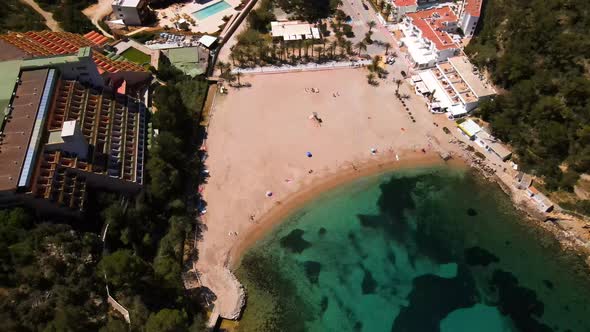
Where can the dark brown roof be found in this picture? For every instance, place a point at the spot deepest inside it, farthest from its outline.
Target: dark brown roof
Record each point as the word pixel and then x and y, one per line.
pixel 19 127
pixel 10 52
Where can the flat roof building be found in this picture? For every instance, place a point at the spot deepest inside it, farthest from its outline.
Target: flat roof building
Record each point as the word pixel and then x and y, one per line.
pixel 457 85
pixel 492 145
pixel 132 12
pixel 469 128
pixel 469 13
pixel 541 201
pixel 61 135
pixel 294 30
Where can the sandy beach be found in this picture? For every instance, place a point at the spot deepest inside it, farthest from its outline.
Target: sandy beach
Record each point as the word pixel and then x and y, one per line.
pixel 258 143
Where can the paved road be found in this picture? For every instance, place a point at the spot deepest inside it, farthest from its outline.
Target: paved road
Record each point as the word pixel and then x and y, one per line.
pixel 361 17
pixel 51 23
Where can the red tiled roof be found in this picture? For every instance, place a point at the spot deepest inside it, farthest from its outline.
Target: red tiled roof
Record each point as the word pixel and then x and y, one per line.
pixel 473 7
pixel 48 43
pixel 96 38
pixel 404 3
pixel 431 23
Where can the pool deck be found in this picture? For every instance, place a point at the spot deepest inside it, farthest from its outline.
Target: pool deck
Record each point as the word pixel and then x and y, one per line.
pixel 208 25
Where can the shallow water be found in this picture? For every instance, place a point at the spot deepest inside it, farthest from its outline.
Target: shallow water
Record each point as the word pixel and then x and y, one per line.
pixel 424 250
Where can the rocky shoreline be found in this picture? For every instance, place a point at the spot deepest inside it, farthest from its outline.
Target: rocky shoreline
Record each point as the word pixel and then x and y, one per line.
pixel 570 240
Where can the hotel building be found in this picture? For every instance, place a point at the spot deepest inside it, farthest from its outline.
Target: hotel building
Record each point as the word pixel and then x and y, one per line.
pixel 454 86
pixel 427 38
pixel 132 12
pixel 62 132
pixel 469 13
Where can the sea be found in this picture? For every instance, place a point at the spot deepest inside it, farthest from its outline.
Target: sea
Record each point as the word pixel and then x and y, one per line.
pixel 429 249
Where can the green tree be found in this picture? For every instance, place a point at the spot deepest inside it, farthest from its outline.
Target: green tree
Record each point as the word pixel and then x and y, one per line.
pixel 361 47
pixel 123 269
pixel 167 320
pixel 387 46
pixel 371 25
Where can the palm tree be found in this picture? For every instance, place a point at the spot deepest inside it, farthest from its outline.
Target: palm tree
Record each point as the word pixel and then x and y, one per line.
pixel 371 25
pixel 431 96
pixel 273 51
pixel 342 45
pixel 387 11
pixel 375 63
pixel 361 46
pixel 221 66
pixel 306 44
pixel 333 46
pixel 319 50
pixel 387 46
pixel 238 54
pixel 232 56
pixel 348 47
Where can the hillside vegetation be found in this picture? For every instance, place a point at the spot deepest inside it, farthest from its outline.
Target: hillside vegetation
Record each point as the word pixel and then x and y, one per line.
pixel 69 14
pixel 15 16
pixel 53 272
pixel 539 51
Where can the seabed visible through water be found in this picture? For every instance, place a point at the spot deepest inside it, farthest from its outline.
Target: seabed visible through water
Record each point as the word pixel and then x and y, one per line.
pixel 433 249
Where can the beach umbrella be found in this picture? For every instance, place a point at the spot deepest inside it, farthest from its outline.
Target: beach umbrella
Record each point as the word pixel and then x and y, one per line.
pixel 268 193
pixel 309 155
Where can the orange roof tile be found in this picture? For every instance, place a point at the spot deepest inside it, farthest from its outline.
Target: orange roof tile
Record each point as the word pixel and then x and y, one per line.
pixel 47 43
pixel 432 24
pixel 473 7
pixel 404 3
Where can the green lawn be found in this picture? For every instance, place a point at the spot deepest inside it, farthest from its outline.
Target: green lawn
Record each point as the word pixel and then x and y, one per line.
pixel 135 55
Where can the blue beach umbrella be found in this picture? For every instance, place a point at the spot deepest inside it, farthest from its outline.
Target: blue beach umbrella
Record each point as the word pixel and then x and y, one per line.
pixel 309 155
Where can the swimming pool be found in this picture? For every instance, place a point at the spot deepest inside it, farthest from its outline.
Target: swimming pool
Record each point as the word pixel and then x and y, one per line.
pixel 211 10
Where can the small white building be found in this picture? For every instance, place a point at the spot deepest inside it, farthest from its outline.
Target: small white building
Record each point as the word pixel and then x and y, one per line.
pixel 541 201
pixel 427 36
pixel 403 7
pixel 132 12
pixel 469 128
pixel 469 12
pixel 492 145
pixel 294 30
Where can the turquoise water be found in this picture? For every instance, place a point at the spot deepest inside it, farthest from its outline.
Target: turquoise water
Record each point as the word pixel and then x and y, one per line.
pixel 426 250
pixel 211 10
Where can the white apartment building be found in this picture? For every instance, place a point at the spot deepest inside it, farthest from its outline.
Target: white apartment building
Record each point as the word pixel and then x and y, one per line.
pixel 132 12
pixel 294 30
pixel 427 38
pixel 469 12
pixel 456 86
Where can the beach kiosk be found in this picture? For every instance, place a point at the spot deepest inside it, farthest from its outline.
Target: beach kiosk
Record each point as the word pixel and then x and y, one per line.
pixel 469 128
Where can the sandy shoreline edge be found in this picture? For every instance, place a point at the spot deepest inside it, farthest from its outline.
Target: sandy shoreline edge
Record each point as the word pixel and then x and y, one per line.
pixel 332 180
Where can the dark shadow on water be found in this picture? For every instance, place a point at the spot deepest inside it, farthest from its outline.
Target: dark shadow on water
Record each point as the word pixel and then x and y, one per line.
pixel 476 256
pixel 312 271
pixel 294 241
pixel 432 299
pixel 519 303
